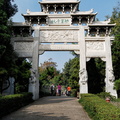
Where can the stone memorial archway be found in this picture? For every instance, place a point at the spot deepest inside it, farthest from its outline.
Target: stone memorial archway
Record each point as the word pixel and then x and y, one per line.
pixel 62 22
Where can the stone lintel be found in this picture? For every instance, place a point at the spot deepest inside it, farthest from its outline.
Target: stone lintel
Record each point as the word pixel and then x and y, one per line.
pixel 22 39
pixel 58 47
pixel 59 28
pixel 94 38
pixel 58 1
pixel 101 24
pixel 19 24
pixel 42 14
pixel 60 15
pixel 24 54
pixel 98 38
pixel 33 14
pixel 83 13
pixel 96 54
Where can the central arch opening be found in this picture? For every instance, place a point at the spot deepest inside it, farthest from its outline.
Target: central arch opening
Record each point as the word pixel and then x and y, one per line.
pixel 60 57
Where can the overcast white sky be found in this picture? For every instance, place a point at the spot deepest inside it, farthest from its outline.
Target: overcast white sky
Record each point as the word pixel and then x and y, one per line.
pixel 102 7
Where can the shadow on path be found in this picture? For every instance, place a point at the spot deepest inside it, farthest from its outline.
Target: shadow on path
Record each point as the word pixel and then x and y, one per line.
pixel 51 108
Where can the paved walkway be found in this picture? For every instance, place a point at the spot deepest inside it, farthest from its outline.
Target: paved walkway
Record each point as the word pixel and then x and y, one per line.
pixel 51 108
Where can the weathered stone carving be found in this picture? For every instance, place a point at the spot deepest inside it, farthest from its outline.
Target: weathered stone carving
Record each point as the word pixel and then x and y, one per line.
pixel 32 79
pixel 24 46
pixel 77 51
pixel 41 52
pixel 111 77
pixel 83 76
pixel 103 59
pixel 95 46
pixel 58 35
pixel 88 59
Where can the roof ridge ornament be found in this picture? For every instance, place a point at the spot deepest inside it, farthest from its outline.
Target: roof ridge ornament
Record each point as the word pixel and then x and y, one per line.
pixel 28 11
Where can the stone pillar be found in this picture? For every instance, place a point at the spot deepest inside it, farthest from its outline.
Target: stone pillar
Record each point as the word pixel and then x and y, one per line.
pixel 54 8
pixel 71 7
pixel 38 20
pixel 88 19
pixel 97 31
pixel 83 72
pixel 47 7
pixel 34 80
pixel 79 19
pixel 63 8
pixel 106 34
pixel 109 80
pixel 30 19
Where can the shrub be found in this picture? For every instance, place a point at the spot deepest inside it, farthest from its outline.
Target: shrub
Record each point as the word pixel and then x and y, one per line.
pixel 43 93
pixel 74 92
pixel 11 103
pixel 104 95
pixel 99 109
pixel 117 84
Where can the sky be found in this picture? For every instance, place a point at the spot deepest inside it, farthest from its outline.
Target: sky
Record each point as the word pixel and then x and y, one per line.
pixel 102 7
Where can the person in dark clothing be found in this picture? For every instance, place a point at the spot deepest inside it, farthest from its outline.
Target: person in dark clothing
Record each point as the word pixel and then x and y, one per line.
pixel 52 89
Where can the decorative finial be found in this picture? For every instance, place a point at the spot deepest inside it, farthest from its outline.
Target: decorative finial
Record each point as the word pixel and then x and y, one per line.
pixel 28 11
pixel 92 10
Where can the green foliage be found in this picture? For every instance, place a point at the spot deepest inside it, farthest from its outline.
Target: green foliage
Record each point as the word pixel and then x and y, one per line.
pixel 11 103
pixel 74 92
pixel 49 74
pixel 96 75
pixel 22 77
pixel 57 79
pixel 9 8
pixel 7 54
pixel 115 18
pixel 99 109
pixel 44 93
pixel 117 84
pixel 71 73
pixel 104 95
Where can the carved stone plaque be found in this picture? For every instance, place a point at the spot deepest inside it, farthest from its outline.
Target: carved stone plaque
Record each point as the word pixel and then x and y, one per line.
pixel 59 36
pixel 23 46
pixel 59 21
pixel 94 46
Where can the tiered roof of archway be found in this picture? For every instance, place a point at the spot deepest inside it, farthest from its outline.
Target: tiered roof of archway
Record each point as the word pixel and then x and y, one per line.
pixel 65 8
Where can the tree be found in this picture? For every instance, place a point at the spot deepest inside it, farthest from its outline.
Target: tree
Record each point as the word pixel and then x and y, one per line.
pixel 96 75
pixel 7 54
pixel 115 18
pixel 47 72
pixel 58 79
pixel 117 87
pixel 22 76
pixel 71 73
pixel 47 64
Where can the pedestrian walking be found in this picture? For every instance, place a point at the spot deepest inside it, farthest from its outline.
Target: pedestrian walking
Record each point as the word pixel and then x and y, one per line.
pixel 52 89
pixel 68 90
pixel 59 89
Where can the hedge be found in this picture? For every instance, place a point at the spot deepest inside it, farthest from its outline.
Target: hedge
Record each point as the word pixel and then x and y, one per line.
pixel 99 109
pixel 10 103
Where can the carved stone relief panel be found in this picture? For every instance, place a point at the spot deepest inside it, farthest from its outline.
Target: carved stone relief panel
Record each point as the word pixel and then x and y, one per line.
pixel 59 36
pixel 23 46
pixel 95 46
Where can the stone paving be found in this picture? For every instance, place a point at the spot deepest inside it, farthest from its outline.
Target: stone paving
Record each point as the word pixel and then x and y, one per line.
pixel 51 108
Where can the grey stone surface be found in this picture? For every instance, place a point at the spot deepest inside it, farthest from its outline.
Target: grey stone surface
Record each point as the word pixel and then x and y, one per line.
pixel 61 21
pixel 51 108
